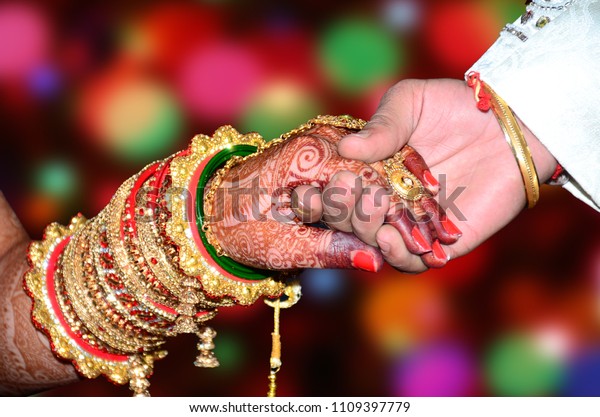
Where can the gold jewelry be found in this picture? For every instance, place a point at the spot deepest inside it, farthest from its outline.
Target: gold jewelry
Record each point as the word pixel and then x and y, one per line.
pixel 292 294
pixel 209 198
pixel 404 183
pixel 108 291
pixel 487 98
pixel 515 138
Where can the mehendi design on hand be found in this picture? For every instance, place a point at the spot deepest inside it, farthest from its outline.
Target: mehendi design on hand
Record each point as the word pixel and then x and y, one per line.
pixel 255 223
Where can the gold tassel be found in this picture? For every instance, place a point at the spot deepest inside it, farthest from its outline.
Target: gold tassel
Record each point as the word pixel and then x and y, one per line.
pixel 275 360
pixel 292 293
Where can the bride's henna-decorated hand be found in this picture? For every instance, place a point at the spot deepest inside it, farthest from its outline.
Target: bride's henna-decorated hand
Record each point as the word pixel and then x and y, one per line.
pixel 264 206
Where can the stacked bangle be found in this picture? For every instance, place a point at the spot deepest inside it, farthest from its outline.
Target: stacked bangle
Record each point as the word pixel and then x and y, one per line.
pixel 108 291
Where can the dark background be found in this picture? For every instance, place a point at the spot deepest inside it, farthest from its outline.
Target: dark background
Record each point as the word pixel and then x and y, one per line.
pixel 90 92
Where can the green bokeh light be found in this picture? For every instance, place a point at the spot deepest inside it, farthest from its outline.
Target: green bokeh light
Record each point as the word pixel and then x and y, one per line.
pixel 56 178
pixel 142 122
pixel 279 109
pixel 515 366
pixel 230 351
pixel 509 10
pixel 357 54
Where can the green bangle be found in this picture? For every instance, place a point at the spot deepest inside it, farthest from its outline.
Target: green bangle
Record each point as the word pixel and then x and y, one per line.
pixel 225 262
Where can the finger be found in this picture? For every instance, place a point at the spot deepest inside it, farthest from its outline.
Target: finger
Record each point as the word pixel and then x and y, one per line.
pixel 345 250
pixel 314 160
pixel 430 211
pixel 330 133
pixel 369 213
pixel 415 163
pixel 277 246
pixel 437 258
pixel 339 199
pixel 377 141
pixel 416 235
pixel 306 203
pixel 388 130
pixel 394 251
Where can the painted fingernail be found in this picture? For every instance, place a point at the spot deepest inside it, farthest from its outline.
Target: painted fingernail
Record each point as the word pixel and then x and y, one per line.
pixel 420 239
pixel 438 251
pixel 363 260
pixel 450 227
pixel 430 179
pixel 361 134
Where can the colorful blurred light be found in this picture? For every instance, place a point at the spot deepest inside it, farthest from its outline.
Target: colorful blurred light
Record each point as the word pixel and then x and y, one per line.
pixel 45 81
pixel 323 284
pixel 141 121
pixel 229 350
pixel 510 10
pixel 286 51
pixel 133 117
pixel 163 34
pixel 554 341
pixel 56 178
pixel 278 108
pixel 357 54
pixel 37 210
pixel 458 33
pixel 25 39
pixel 216 82
pixel 464 270
pixel 401 15
pixel 582 374
pixel 517 365
pixel 440 370
pixel 400 312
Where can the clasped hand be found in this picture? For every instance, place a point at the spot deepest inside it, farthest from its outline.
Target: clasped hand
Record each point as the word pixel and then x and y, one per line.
pixel 301 205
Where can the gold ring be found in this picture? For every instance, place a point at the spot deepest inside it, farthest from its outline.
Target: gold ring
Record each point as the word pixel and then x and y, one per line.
pixel 404 183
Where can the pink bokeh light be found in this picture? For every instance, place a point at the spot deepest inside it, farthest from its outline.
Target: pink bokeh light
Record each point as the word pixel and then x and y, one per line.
pixel 216 81
pixel 25 39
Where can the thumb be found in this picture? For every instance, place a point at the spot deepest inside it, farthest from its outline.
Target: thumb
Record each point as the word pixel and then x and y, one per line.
pixel 390 127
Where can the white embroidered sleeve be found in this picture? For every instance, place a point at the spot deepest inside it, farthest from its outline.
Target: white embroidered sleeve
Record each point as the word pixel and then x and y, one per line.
pixel 546 66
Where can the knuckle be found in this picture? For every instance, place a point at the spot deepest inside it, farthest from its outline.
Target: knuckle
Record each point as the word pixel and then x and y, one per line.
pixel 382 118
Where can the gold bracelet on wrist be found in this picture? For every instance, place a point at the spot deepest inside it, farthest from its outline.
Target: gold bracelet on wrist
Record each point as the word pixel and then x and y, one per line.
pixel 487 99
pixel 515 138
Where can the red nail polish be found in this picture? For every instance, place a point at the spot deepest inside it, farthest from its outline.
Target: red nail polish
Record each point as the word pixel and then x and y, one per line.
pixel 430 179
pixel 363 260
pixel 450 227
pixel 420 239
pixel 438 251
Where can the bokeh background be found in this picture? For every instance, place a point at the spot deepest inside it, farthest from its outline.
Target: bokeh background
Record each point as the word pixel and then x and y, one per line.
pixel 92 91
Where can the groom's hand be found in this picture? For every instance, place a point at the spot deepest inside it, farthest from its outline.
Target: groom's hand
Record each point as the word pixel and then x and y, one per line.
pixel 482 189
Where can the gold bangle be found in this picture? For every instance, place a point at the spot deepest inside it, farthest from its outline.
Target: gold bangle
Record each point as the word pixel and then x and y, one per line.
pixel 515 138
pixel 108 291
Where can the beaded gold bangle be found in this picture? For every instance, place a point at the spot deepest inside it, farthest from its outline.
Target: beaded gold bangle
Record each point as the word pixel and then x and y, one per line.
pixel 108 291
pixel 487 98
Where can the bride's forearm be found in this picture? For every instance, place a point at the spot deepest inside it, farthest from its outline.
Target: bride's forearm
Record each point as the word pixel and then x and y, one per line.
pixel 27 364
